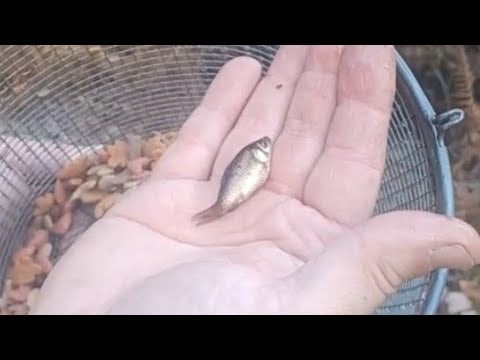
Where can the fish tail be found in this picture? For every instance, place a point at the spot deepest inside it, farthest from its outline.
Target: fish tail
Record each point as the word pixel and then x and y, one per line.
pixel 209 214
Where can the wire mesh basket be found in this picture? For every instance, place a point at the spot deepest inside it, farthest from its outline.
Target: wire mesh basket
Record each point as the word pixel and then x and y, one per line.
pixel 57 102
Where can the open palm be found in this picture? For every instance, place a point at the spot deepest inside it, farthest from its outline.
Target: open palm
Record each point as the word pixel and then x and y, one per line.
pixel 305 242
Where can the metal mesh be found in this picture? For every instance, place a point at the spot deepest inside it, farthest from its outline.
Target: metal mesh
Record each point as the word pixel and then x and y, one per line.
pixel 59 101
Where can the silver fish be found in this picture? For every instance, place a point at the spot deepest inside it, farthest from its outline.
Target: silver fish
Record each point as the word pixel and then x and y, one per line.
pixel 246 173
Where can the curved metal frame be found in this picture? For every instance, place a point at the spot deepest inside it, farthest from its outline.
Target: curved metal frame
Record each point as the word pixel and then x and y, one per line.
pixel 433 130
pixel 433 127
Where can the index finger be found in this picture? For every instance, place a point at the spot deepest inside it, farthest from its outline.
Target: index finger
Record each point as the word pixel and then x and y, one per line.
pixel 194 151
pixel 345 181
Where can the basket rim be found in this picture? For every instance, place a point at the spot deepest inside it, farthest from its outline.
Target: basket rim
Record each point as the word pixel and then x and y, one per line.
pixel 442 175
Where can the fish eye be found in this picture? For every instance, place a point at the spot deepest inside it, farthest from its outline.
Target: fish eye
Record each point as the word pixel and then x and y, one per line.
pixel 264 142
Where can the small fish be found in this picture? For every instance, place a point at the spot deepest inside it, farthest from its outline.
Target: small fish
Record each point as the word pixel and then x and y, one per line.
pixel 246 173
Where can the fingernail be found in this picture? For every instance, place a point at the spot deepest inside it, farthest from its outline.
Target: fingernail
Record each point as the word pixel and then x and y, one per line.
pixel 452 256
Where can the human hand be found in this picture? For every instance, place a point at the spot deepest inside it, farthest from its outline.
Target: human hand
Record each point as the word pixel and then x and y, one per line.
pixel 305 243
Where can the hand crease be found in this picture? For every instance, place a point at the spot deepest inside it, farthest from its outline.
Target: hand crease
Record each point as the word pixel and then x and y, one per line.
pixel 386 271
pixel 295 234
pixel 351 155
pixel 125 217
pixel 462 246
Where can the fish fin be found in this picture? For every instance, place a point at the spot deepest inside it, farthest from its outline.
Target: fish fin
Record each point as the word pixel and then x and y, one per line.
pixel 209 214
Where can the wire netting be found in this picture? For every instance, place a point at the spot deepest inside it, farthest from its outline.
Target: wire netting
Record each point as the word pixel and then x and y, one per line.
pixel 57 102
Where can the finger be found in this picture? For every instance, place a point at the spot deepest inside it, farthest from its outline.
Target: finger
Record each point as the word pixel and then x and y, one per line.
pixel 265 112
pixel 344 183
pixel 301 140
pixel 355 274
pixel 194 151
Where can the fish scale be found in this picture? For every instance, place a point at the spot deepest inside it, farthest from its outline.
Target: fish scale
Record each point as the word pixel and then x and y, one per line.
pixel 244 182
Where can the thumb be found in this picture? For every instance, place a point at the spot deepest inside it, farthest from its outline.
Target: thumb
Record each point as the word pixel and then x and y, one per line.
pixel 356 272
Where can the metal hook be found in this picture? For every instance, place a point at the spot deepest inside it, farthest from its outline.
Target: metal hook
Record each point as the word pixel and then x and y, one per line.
pixel 446 120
